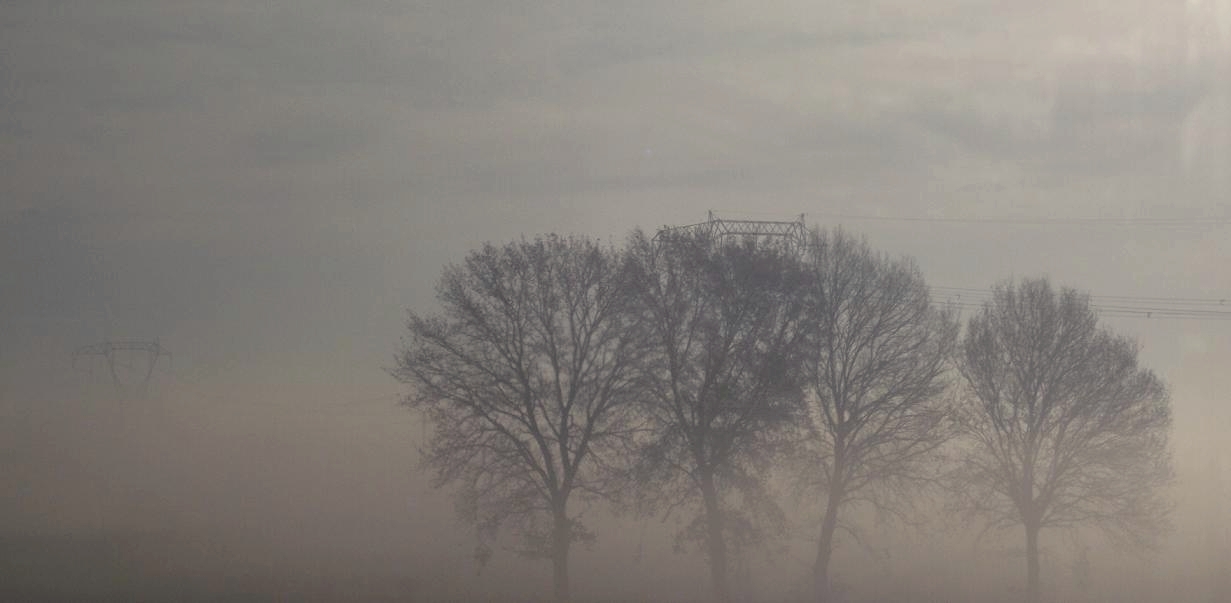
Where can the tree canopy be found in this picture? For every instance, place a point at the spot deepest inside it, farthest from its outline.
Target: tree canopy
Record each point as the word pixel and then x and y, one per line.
pixel 527 376
pixel 725 326
pixel 691 368
pixel 1063 428
pixel 876 364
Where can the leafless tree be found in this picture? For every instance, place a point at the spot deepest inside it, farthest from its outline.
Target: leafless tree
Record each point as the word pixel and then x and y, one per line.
pixel 876 365
pixel 526 376
pixel 1064 429
pixel 725 321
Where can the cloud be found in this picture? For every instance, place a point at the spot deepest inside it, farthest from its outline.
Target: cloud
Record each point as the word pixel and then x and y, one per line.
pixel 576 99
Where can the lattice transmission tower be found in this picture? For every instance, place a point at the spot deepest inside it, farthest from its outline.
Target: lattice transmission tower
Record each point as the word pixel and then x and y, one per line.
pixel 793 232
pixel 129 362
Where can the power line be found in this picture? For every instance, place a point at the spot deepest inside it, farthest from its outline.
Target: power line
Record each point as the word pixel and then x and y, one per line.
pixel 1127 306
pixel 1178 308
pixel 987 292
pixel 1028 221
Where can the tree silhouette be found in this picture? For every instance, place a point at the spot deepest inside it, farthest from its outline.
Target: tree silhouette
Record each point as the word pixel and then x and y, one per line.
pixel 724 319
pixel 1063 428
pixel 876 362
pixel 526 376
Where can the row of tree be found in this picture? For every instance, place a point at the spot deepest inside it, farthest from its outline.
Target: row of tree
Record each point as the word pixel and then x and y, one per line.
pixel 688 369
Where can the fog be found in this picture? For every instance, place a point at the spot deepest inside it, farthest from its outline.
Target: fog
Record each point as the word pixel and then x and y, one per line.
pixel 266 188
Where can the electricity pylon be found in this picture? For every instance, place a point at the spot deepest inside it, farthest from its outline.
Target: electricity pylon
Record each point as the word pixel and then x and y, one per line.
pixel 792 232
pixel 130 362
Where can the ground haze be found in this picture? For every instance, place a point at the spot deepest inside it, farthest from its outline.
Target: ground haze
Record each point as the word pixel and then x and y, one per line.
pixel 265 189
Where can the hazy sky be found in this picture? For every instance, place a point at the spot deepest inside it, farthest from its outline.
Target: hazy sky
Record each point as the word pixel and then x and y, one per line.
pixel 266 187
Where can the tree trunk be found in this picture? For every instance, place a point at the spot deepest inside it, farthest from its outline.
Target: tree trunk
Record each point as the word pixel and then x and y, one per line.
pixel 824 547
pixel 715 543
pixel 561 539
pixel 1032 562
pixel 1031 522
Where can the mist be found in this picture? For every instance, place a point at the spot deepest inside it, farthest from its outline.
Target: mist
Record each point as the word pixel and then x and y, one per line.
pixel 266 191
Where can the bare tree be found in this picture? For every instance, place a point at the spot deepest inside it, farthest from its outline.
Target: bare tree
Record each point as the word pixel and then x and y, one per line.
pixel 526 376
pixel 725 321
pixel 1063 428
pixel 877 358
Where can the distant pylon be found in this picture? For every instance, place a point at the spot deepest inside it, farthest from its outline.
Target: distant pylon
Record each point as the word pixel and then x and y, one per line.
pixel 129 361
pixel 793 232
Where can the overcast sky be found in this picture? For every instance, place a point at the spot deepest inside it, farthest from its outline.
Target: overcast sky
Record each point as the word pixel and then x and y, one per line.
pixel 266 187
